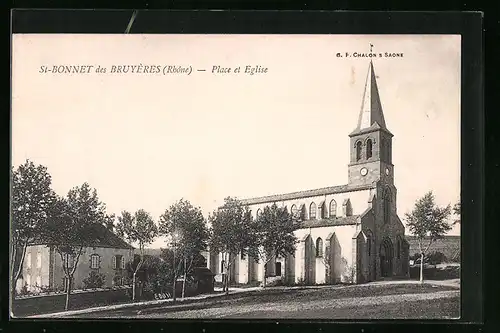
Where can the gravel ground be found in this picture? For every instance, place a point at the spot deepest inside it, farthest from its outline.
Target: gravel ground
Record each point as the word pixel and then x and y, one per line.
pixel 333 302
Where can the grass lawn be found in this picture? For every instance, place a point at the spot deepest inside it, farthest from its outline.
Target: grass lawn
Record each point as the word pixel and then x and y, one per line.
pixel 331 302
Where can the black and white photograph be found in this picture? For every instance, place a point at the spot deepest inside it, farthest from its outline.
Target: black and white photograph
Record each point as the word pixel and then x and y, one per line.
pixel 226 176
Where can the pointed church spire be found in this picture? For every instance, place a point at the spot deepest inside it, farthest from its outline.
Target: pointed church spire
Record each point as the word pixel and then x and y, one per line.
pixel 371 113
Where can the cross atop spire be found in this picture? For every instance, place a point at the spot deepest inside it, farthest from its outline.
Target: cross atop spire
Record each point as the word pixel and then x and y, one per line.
pixel 371 114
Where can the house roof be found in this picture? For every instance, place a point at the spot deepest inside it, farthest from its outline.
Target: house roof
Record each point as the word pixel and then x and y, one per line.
pixel 103 238
pixel 305 194
pixel 107 238
pixel 330 222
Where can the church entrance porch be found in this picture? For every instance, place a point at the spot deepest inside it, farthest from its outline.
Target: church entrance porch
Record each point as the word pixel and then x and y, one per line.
pixel 386 255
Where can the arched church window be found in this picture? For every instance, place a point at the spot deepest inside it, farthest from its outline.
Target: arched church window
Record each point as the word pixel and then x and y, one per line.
pixel 387 206
pixel 369 148
pixel 312 211
pixel 323 212
pixel 383 152
pixel 303 212
pixel 398 248
pixel 259 213
pixel 358 150
pixel 319 247
pixel 294 211
pixel 369 244
pixel 333 208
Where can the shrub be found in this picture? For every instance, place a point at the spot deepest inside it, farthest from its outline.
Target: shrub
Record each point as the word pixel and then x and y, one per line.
pixel 301 282
pixel 94 280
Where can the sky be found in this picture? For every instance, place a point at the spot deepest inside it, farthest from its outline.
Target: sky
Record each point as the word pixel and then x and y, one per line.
pixel 148 140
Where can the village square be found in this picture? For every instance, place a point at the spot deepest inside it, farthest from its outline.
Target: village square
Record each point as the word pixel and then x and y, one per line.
pixel 342 251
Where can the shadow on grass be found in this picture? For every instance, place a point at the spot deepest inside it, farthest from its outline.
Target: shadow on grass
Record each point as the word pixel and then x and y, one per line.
pixel 294 295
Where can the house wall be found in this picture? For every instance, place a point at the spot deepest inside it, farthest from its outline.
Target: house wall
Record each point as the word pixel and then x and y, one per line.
pixel 50 273
pixel 35 274
pixel 83 267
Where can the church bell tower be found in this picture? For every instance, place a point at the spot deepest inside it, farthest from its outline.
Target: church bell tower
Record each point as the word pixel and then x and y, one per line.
pixel 371 141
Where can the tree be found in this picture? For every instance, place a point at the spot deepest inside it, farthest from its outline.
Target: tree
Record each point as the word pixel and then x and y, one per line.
pixel 275 234
pixel 187 225
pixel 232 233
pixel 32 197
pixel 140 229
pixel 109 222
pixel 427 222
pixel 74 225
pixel 457 209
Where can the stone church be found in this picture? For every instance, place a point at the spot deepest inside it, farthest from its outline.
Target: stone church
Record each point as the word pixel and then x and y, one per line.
pixel 349 233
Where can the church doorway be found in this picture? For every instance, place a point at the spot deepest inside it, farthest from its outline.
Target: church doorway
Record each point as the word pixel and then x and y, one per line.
pixel 386 255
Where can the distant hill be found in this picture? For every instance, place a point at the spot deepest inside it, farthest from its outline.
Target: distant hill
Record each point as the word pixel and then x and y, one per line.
pixel 449 246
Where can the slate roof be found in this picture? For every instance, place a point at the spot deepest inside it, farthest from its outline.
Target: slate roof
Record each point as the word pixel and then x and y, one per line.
pixel 107 238
pixel 305 194
pixel 449 246
pixel 371 115
pixel 330 222
pixel 103 238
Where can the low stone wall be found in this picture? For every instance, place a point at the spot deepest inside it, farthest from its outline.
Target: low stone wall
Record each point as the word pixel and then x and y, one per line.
pixel 42 304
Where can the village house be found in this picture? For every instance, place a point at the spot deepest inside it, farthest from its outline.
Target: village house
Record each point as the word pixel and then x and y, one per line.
pixel 42 267
pixel 349 233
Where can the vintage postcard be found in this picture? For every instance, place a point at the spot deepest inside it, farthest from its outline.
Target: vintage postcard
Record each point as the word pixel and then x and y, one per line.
pixel 236 176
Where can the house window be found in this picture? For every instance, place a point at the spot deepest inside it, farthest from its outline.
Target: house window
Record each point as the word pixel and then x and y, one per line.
pixel 358 150
pixel 95 261
pixel 28 259
pixel 118 261
pixel 333 208
pixel 369 147
pixel 38 260
pixel 319 247
pixel 312 211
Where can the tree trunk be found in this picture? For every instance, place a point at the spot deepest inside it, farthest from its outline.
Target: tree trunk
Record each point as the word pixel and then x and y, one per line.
pixel 265 271
pixel 68 292
pixel 422 267
pixel 174 285
pixel 11 275
pixel 133 286
pixel 228 277
pixel 184 281
pixel 19 268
